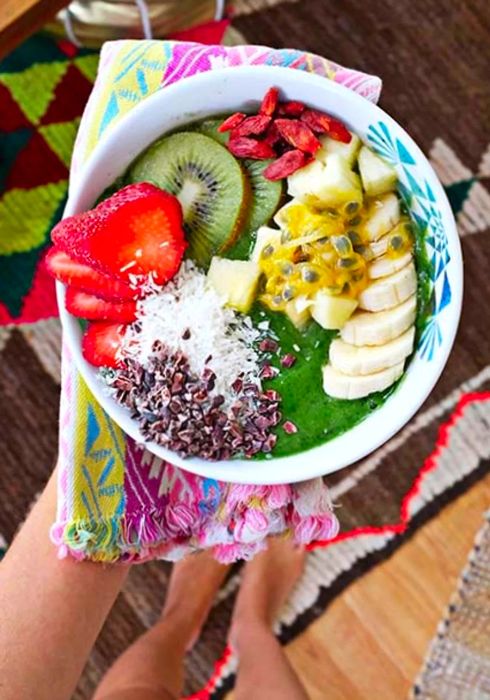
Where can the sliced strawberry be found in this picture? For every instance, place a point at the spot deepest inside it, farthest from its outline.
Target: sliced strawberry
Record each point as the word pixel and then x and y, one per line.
pixel 69 271
pixel 135 233
pixel 93 308
pixel 101 342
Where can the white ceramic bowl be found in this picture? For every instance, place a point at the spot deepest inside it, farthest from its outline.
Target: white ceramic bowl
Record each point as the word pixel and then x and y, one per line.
pixel 241 88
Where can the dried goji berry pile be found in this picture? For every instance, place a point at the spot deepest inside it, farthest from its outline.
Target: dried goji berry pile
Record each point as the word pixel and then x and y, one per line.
pixel 285 131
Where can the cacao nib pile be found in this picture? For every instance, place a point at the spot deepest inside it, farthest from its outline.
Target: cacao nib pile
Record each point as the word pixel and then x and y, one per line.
pixel 180 411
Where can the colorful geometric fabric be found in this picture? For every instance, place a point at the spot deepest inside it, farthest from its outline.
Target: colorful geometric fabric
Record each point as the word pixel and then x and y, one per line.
pixel 44 86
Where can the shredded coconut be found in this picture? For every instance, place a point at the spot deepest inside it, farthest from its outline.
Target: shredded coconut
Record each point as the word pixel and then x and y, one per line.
pixel 187 316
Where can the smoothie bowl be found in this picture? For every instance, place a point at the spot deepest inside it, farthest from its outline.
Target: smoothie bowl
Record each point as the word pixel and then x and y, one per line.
pixel 269 272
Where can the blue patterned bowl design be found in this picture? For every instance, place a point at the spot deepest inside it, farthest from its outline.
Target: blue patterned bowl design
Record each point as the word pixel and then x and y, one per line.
pixel 421 202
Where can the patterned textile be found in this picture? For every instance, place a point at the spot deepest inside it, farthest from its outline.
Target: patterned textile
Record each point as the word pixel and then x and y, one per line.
pixel 458 663
pixel 116 500
pixel 43 88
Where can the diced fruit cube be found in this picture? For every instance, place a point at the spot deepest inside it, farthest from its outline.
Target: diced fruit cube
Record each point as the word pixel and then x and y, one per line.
pixel 298 311
pixel 330 185
pixel 383 214
pixel 265 236
pixel 348 151
pixel 235 281
pixel 331 312
pixel 377 175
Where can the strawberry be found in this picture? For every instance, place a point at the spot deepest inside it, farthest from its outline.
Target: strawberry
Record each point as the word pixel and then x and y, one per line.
pixel 135 233
pixel 93 308
pixel 101 341
pixel 85 278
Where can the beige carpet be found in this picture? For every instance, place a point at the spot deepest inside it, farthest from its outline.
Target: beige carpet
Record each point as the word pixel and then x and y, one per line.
pixel 457 666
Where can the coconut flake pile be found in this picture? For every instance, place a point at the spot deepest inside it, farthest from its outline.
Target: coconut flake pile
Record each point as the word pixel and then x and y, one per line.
pixel 188 316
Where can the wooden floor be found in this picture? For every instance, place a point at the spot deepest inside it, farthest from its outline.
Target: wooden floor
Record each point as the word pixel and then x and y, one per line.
pixel 370 643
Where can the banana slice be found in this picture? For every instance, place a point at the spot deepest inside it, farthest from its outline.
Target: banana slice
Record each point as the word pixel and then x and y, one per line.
pixel 382 215
pixel 385 266
pixel 388 292
pixel 369 359
pixel 380 247
pixel 367 328
pixel 342 386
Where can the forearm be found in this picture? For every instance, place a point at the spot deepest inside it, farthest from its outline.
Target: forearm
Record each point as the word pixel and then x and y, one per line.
pixel 51 610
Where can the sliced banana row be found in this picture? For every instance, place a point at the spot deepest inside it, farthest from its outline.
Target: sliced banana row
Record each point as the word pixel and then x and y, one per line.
pixel 374 343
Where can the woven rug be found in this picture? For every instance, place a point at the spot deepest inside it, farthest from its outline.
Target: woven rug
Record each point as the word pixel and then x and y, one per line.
pixel 458 663
pixel 435 66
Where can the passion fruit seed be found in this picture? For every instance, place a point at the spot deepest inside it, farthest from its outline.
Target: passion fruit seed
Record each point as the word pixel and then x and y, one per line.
pixel 355 238
pixel 309 275
pixel 351 208
pixel 288 293
pixel 267 251
pixel 365 251
pixel 342 245
pixel 346 262
pixel 355 221
pixel 396 242
pixel 322 240
pixel 285 236
pixel 277 299
pixel 286 269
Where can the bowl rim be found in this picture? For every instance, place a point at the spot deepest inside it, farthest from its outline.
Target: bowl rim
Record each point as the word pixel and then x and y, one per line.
pixel 242 470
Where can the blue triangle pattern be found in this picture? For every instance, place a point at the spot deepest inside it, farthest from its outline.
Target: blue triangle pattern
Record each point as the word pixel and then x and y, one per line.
pixel 403 153
pixel 93 430
pixel 430 193
pixel 446 294
pixel 413 184
pixel 111 112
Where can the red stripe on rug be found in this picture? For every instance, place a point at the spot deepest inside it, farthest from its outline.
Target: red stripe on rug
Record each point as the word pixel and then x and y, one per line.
pixel 205 693
pixel 429 465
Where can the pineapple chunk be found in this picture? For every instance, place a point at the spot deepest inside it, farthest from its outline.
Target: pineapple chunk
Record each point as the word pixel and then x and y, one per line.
pixel 235 281
pixel 383 214
pixel 331 312
pixel 377 175
pixel 330 185
pixel 348 151
pixel 265 236
pixel 298 311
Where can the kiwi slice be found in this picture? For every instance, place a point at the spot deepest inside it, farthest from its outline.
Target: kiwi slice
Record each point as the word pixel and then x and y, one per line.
pixel 209 183
pixel 266 194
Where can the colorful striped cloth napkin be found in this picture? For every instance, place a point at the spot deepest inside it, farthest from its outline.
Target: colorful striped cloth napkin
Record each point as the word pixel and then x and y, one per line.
pixel 117 501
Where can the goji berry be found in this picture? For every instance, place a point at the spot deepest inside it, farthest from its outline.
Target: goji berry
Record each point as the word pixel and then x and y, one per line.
pixel 293 108
pixel 324 124
pixel 252 125
pixel 286 165
pixel 298 135
pixel 272 135
pixel 231 122
pixel 243 147
pixel 269 103
pixel 339 132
